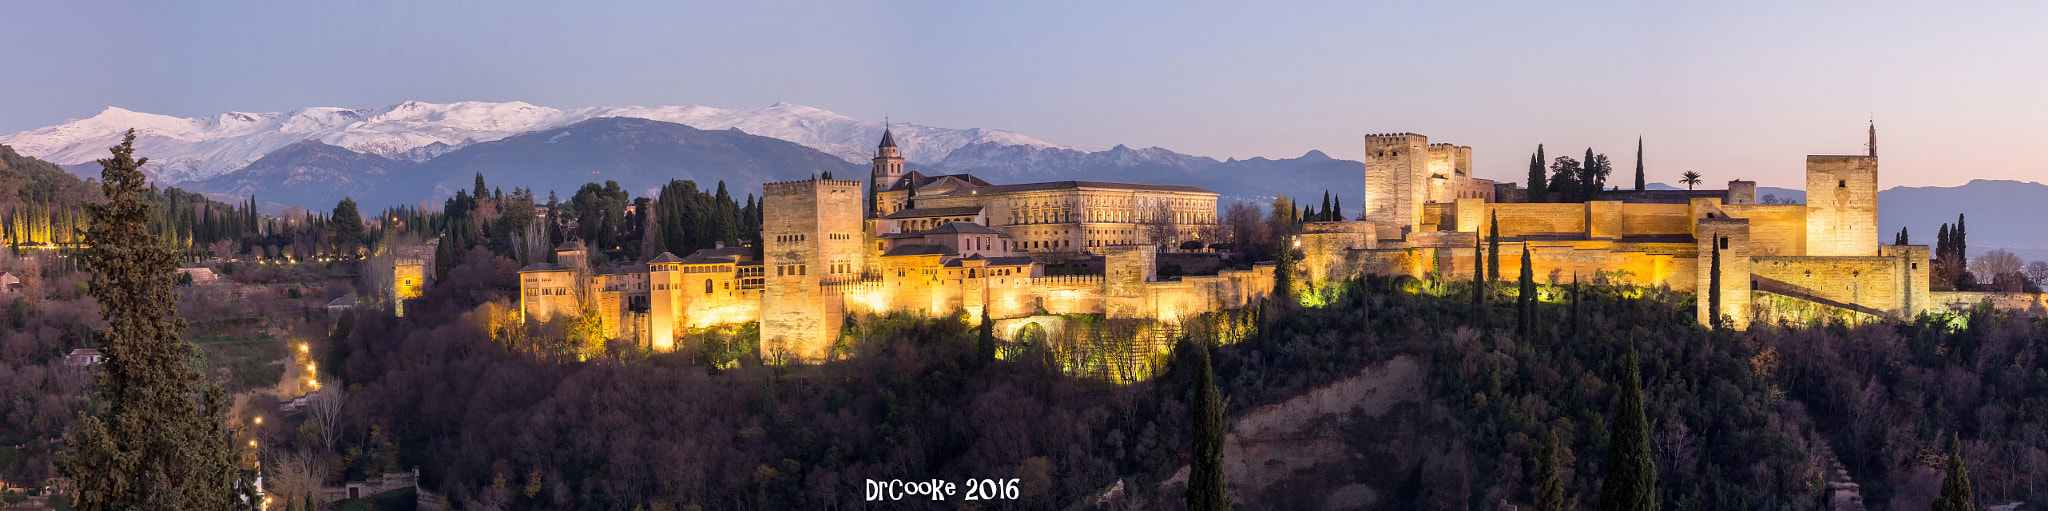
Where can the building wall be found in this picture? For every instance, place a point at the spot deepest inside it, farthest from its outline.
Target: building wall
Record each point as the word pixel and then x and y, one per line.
pixel 1396 169
pixel 1774 230
pixel 1841 201
pixel 1656 219
pixel 1869 284
pixel 549 295
pixel 1539 219
pixel 808 227
pixel 1733 235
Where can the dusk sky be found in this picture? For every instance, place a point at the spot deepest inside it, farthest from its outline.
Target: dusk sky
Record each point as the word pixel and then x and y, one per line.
pixel 1730 89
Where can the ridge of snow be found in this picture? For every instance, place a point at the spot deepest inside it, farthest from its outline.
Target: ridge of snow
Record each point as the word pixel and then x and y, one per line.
pixel 192 149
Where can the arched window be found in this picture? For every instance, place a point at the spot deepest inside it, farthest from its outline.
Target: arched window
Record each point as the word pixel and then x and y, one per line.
pixel 707 286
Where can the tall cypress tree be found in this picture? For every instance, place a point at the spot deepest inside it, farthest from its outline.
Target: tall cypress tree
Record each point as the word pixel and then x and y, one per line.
pixel 1207 487
pixel 1493 250
pixel 985 346
pixel 1525 301
pixel 1575 304
pixel 1337 209
pixel 161 441
pixel 1537 177
pixel 1549 486
pixel 1478 270
pixel 1326 206
pixel 1631 471
pixel 1639 164
pixel 1955 488
pixel 1961 242
pixel 1714 286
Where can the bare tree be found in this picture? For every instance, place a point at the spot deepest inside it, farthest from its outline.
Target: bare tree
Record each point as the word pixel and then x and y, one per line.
pixel 1159 225
pixel 2038 270
pixel 2000 267
pixel 292 476
pixel 323 407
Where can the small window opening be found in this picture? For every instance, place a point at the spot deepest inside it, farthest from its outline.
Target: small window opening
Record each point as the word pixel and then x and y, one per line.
pixel 1724 243
pixel 1844 183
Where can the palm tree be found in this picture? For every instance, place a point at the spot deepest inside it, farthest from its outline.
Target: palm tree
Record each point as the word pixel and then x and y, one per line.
pixel 1691 179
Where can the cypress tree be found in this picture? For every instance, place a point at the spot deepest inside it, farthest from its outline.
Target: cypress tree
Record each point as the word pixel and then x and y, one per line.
pixel 1536 176
pixel 1941 243
pixel 1902 238
pixel 1478 270
pixel 1550 475
pixel 1525 302
pixel 1631 478
pixel 1326 205
pixel 1575 304
pixel 161 441
pixel 1714 287
pixel 1207 487
pixel 1955 488
pixel 1961 242
pixel 1337 209
pixel 1639 164
pixel 985 346
pixel 1493 250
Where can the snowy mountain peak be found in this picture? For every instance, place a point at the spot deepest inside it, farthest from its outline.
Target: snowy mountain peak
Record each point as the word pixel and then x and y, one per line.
pixel 192 149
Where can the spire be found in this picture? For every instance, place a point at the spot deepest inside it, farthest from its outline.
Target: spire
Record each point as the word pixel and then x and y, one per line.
pixel 888 139
pixel 1873 137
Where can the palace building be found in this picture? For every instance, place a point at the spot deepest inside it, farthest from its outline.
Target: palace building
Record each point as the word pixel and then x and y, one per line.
pixel 911 242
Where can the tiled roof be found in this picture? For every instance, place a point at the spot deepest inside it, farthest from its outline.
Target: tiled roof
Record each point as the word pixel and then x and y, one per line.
pixel 1069 185
pixel 701 256
pixel 907 250
pixel 920 179
pixel 932 212
pixel 665 257
pixel 1011 261
pixel 964 228
pixel 542 267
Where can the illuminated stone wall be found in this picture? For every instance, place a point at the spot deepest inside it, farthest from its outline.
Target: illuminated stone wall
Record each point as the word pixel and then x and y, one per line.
pixel 1841 202
pixel 1396 182
pixel 811 235
pixel 547 295
pixel 1733 236
pixel 1774 230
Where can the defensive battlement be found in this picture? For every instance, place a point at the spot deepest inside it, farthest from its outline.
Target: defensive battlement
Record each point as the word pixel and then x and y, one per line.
pixel 1391 135
pixel 1066 280
pixel 801 186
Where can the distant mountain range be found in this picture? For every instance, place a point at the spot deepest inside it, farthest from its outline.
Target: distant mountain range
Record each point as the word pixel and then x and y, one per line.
pixel 416 151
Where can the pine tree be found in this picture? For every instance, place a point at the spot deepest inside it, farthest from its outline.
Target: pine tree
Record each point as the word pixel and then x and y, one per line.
pixel 1549 486
pixel 1207 487
pixel 1536 175
pixel 1631 471
pixel 481 190
pixel 346 231
pixel 1639 164
pixel 1493 250
pixel 1714 287
pixel 1955 488
pixel 161 441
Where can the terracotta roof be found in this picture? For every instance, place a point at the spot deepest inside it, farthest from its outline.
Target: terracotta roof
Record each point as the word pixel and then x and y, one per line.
pixel 899 235
pixel 665 257
pixel 703 256
pixel 932 212
pixel 964 228
pixel 1012 261
pixel 920 179
pixel 542 267
pixel 1068 185
pixel 920 249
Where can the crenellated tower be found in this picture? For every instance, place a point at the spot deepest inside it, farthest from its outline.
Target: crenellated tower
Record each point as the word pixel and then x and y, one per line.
pixel 1396 182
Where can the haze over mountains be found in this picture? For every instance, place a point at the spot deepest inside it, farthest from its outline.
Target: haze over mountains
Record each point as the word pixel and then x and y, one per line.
pixel 414 151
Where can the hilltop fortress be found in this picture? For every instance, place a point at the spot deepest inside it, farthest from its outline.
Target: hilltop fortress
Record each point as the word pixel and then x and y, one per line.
pixel 941 244
pixel 1424 215
pixel 910 242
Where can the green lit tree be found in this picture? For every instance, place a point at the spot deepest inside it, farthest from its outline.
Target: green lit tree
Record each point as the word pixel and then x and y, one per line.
pixel 161 442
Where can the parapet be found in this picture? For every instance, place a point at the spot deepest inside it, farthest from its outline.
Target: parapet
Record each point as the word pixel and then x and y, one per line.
pixel 806 185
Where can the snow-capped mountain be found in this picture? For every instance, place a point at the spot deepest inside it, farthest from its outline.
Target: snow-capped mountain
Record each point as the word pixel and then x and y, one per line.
pixel 193 149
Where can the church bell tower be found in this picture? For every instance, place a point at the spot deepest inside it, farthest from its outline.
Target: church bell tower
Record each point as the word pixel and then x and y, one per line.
pixel 888 170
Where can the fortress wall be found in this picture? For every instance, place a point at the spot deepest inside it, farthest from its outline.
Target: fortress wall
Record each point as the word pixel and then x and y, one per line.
pixel 2031 304
pixel 1528 219
pixel 1073 294
pixel 1774 230
pixel 1656 219
pixel 1605 220
pixel 1439 214
pixel 1914 275
pixel 1870 284
pixel 1471 215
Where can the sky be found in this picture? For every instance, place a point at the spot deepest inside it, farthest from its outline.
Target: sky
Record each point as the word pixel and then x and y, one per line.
pixel 1733 90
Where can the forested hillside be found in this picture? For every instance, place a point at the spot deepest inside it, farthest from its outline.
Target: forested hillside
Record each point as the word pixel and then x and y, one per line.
pixel 494 415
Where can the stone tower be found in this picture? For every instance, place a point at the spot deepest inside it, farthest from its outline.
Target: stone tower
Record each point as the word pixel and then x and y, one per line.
pixel 1841 206
pixel 810 236
pixel 1732 235
pixel 888 169
pixel 1396 182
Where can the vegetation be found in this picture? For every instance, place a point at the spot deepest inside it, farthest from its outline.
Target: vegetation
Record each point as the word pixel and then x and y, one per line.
pixel 161 440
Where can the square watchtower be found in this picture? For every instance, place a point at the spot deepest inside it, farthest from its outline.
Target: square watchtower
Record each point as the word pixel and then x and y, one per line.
pixel 811 234
pixel 1841 205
